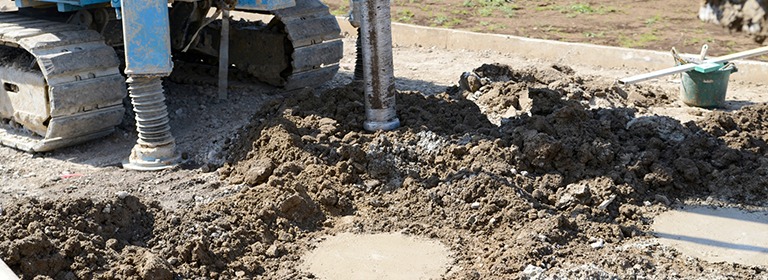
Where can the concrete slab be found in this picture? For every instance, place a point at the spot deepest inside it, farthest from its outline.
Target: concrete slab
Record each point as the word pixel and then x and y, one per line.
pixel 377 256
pixel 716 234
pixel 6 273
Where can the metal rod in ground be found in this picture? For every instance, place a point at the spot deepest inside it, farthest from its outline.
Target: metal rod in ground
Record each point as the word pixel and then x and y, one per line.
pixel 691 66
pixel 224 54
pixel 376 39
pixel 358 74
pixel 354 20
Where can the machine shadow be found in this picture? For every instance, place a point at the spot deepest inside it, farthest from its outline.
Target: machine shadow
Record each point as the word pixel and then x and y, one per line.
pixel 712 242
pixel 737 232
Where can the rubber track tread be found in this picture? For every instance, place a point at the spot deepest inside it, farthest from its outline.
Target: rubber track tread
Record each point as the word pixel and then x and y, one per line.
pixel 316 39
pixel 307 58
pixel 85 88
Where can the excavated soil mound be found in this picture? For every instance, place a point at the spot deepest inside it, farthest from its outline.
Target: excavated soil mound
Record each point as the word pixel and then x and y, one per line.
pixel 535 172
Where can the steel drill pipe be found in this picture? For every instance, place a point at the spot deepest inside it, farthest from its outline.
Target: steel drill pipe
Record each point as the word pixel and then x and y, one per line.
pixel 376 34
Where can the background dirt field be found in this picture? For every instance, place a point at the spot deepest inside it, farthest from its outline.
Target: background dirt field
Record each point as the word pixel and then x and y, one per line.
pixel 542 170
pixel 651 24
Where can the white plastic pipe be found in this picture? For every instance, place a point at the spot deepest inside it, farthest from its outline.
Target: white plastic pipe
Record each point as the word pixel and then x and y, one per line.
pixel 691 66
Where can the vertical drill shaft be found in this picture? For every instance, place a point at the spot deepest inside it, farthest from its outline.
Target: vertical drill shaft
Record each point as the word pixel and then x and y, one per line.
pixel 376 38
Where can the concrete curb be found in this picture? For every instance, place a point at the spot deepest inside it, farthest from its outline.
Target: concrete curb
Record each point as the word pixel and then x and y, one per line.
pixel 6 273
pixel 637 61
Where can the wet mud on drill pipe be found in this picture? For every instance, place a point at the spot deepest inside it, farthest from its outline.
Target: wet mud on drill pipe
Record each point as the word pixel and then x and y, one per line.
pixel 378 67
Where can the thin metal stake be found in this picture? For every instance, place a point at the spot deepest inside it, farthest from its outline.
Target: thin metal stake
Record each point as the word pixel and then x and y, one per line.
pixel 224 54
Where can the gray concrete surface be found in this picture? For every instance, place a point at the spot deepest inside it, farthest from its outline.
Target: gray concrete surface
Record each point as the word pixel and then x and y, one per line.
pixel 6 273
pixel 716 234
pixel 377 256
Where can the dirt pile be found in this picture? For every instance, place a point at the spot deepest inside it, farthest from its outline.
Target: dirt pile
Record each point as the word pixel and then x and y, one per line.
pixel 536 172
pixel 81 239
pixel 502 92
pixel 643 151
pixel 559 173
pixel 744 129
pixel 742 16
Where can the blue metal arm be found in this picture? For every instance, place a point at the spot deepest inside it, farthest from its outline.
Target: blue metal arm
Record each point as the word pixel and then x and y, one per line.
pixel 264 5
pixel 147 37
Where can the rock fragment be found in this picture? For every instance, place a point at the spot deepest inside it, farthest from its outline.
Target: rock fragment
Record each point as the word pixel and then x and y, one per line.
pixel 153 267
pixel 574 194
pixel 603 205
pixel 600 243
pixel 532 272
pixel 274 251
pixel 259 172
pixel 122 194
pixel 662 199
pixel 470 81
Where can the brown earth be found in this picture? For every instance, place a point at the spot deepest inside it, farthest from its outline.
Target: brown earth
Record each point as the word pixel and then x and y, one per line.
pixel 544 170
pixel 545 186
pixel 650 24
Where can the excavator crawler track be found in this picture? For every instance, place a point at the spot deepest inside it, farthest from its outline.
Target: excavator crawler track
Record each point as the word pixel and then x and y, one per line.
pixel 300 47
pixel 316 39
pixel 70 93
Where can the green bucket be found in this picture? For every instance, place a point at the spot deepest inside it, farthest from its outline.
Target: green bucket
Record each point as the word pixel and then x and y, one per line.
pixel 705 86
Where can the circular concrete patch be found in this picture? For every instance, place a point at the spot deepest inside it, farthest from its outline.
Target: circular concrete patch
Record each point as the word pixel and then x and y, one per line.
pixel 377 256
pixel 716 234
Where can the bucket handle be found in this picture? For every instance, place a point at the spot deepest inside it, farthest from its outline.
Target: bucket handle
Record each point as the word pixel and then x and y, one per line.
pixel 730 66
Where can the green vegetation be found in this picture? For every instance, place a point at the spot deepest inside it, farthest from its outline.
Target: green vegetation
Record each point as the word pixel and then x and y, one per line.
pixel 653 20
pixel 445 21
pixel 554 30
pixel 600 34
pixel 485 11
pixel 486 8
pixel 509 10
pixel 487 26
pixel 405 16
pixel 578 9
pixel 453 22
pixel 581 8
pixel 637 41
pixel 485 3
pixel 461 13
pixel 698 40
pixel 440 20
pixel 342 10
